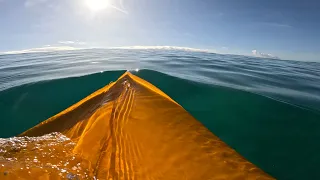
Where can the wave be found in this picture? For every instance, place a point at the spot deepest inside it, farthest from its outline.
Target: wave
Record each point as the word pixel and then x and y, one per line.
pixel 271 134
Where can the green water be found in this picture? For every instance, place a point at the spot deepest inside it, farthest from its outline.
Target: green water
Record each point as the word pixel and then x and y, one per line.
pixel 281 139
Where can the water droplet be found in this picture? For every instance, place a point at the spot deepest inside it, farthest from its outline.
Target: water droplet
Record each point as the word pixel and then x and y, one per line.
pixel 48 164
pixel 71 176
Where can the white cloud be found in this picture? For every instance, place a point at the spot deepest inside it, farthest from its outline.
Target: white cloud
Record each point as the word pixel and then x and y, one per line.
pixel 31 3
pixel 280 25
pixel 50 48
pixel 264 55
pixel 167 48
pixel 41 49
pixel 119 9
pixel 66 42
pixel 72 42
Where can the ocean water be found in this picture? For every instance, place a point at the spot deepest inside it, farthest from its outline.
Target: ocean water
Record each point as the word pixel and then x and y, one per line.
pixel 267 110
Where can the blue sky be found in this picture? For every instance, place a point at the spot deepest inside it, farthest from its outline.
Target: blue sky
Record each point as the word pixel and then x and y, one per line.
pixel 289 29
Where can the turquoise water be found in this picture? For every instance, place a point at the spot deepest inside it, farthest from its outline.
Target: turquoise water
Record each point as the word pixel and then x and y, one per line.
pixel 268 110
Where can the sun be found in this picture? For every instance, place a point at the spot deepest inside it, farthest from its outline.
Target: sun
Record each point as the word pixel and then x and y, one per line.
pixel 97 5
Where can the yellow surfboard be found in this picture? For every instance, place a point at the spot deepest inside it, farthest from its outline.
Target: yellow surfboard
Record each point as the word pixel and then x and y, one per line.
pixel 130 129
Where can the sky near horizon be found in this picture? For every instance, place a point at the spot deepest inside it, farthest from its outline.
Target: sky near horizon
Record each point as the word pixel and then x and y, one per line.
pixel 289 29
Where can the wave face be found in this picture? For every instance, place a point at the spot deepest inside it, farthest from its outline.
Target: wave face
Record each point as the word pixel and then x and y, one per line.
pixel 233 96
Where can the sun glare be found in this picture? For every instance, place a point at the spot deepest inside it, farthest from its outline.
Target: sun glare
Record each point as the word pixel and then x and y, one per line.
pixel 97 5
